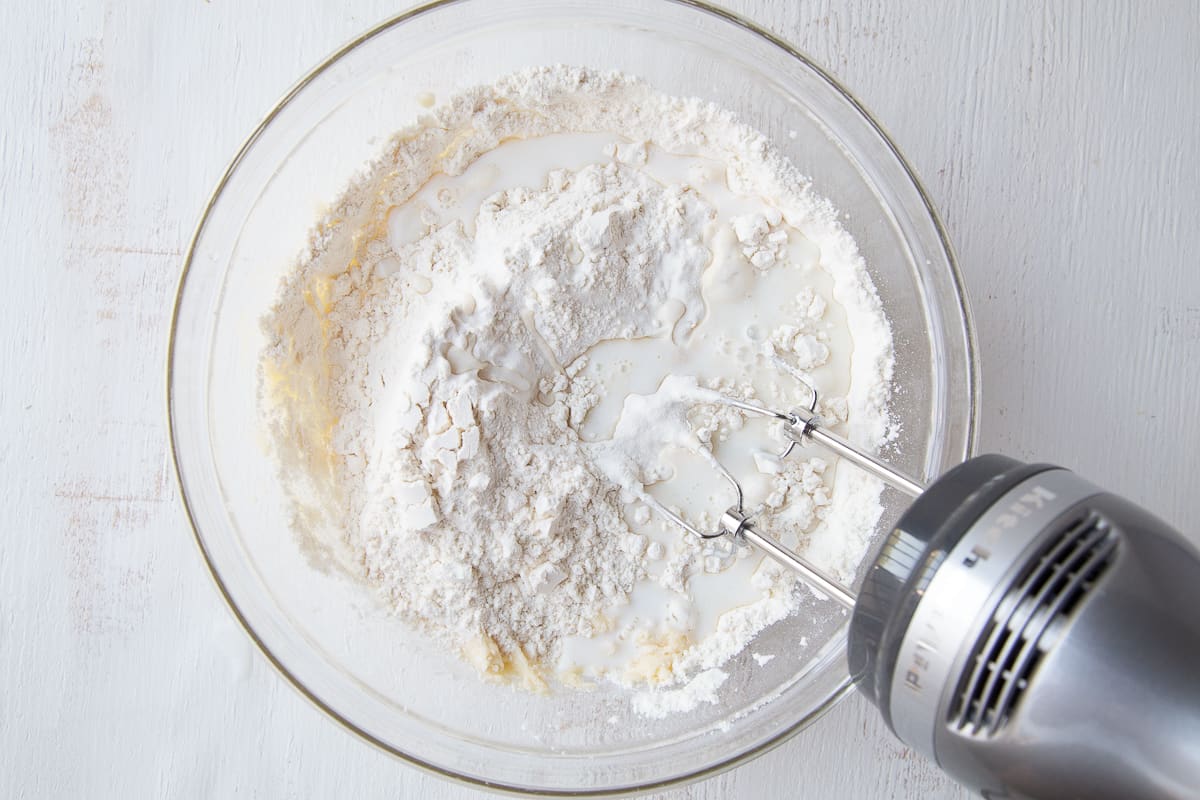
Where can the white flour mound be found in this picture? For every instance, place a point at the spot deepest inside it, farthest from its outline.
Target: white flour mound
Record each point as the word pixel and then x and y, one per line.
pixel 425 391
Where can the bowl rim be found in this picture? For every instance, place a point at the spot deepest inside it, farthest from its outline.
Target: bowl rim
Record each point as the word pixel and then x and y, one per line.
pixel 972 400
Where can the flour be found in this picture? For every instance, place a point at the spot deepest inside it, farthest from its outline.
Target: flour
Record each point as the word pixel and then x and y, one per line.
pixel 444 377
pixel 701 689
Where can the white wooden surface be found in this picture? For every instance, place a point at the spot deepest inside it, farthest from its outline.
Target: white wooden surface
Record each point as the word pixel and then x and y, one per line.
pixel 1059 141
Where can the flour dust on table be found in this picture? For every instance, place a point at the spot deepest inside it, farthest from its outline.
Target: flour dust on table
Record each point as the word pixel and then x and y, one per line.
pixel 508 345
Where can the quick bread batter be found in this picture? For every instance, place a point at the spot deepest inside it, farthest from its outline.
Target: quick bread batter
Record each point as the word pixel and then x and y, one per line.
pixel 505 347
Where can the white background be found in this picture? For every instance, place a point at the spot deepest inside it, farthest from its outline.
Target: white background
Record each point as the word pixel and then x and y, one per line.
pixel 1060 143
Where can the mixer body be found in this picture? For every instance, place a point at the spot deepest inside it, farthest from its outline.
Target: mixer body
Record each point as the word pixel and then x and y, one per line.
pixel 1037 637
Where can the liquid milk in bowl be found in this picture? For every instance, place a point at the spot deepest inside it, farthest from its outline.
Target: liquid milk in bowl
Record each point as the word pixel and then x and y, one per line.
pixel 338 639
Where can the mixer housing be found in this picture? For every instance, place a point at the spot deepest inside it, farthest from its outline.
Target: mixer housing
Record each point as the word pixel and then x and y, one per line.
pixel 1036 636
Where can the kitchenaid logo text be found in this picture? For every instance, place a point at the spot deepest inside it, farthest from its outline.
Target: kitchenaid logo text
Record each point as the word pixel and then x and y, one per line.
pixel 1024 506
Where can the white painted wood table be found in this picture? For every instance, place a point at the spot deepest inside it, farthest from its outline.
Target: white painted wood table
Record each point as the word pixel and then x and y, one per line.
pixel 1059 141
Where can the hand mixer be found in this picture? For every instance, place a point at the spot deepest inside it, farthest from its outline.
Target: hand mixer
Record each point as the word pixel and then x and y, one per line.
pixel 1034 635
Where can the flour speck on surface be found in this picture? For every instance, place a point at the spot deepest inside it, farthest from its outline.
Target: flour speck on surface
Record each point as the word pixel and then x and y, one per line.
pixel 508 345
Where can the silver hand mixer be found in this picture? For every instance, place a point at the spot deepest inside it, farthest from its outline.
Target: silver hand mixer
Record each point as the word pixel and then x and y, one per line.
pixel 1036 636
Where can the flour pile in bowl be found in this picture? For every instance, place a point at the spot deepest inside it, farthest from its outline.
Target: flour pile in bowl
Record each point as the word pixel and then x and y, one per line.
pixel 507 343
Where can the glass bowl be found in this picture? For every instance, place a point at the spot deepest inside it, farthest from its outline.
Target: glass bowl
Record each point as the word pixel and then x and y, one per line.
pixel 329 635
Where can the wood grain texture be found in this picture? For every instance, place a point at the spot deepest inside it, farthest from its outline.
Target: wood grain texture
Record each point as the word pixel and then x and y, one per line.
pixel 1059 141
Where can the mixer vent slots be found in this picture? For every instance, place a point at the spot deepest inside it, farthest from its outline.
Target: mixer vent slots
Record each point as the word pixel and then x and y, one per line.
pixel 1025 625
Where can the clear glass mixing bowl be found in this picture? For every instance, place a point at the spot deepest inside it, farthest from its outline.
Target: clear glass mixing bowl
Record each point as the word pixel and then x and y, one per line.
pixel 327 634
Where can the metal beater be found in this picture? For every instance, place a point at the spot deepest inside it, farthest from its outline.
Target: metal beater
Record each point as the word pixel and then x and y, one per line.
pixel 1034 635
